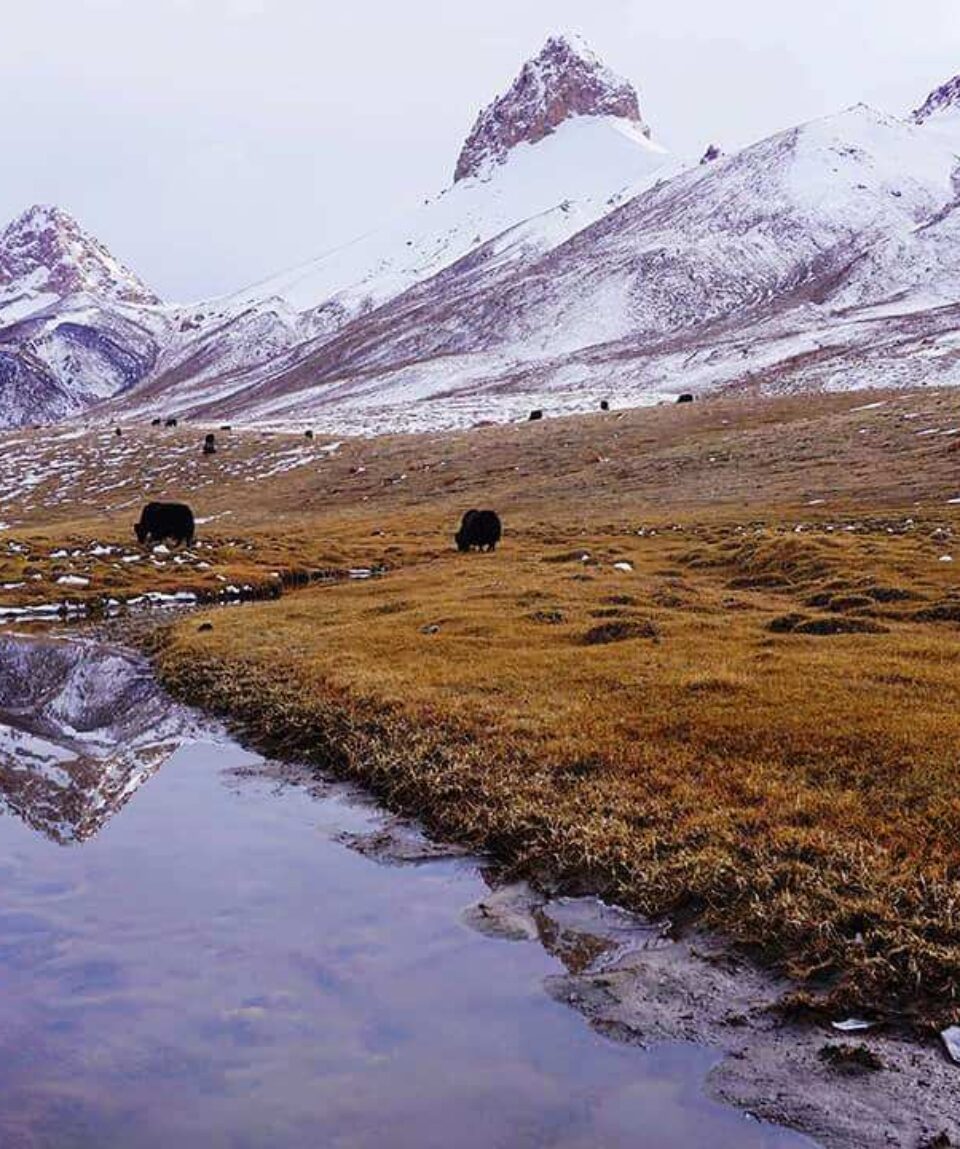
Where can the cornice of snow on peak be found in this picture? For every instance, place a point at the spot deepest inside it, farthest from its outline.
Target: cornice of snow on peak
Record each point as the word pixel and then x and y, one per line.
pixel 46 252
pixel 564 81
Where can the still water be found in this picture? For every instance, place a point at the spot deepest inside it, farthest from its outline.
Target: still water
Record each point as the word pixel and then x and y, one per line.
pixel 190 956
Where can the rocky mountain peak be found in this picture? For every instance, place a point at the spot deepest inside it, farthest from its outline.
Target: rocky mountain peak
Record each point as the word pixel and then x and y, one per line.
pixel 946 96
pixel 565 80
pixel 46 251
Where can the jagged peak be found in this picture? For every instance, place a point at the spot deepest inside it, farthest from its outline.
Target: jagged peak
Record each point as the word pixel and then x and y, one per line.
pixel 567 79
pixel 45 250
pixel 939 100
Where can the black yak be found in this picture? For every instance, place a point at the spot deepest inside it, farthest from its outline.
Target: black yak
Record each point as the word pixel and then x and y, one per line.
pixel 210 444
pixel 159 521
pixel 480 529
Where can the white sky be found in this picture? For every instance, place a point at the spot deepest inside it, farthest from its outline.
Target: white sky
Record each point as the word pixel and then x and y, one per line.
pixel 210 143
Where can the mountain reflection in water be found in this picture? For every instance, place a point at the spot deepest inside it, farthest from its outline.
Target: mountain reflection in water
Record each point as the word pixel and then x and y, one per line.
pixel 215 969
pixel 82 727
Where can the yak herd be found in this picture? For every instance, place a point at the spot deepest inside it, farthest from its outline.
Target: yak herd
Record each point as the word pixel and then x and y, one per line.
pixel 479 530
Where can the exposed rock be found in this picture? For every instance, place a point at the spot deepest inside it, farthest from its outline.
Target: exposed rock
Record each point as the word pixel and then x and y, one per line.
pixel 944 97
pixel 45 251
pixel 564 81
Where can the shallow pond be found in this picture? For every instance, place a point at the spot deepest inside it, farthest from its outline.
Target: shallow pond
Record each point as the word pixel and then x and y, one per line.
pixel 191 956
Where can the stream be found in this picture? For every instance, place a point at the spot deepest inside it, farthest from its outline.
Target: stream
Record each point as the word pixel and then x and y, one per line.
pixel 200 948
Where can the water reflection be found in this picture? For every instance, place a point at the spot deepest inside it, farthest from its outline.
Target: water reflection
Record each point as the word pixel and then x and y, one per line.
pixel 81 728
pixel 215 969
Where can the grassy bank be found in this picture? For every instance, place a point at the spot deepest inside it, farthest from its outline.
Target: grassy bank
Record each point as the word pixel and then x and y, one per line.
pixel 747 724
pixel 713 670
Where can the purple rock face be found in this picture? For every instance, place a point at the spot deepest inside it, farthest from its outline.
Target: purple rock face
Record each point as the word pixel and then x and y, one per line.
pixel 946 96
pixel 564 81
pixel 47 251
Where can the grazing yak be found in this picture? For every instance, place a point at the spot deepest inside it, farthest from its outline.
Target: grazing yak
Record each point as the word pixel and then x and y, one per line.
pixel 156 423
pixel 480 529
pixel 160 521
pixel 170 423
pixel 685 398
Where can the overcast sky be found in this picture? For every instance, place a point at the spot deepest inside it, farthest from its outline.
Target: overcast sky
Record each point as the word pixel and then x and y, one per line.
pixel 212 142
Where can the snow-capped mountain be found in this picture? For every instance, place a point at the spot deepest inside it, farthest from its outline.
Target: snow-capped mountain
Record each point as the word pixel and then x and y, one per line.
pixel 541 188
pixel 45 255
pixel 761 266
pixel 571 258
pixel 565 81
pixel 943 102
pixel 76 326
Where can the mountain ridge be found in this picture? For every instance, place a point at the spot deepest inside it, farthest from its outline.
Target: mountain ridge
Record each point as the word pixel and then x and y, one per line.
pixel 572 256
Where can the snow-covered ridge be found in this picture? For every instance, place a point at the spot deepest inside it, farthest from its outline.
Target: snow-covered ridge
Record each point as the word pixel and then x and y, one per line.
pixel 46 254
pixel 943 99
pixel 571 257
pixel 582 170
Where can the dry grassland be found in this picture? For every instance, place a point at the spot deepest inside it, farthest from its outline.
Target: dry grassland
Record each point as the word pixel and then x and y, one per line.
pixel 713 670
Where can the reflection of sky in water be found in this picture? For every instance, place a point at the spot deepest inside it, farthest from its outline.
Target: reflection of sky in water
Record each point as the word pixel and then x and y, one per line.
pixel 213 970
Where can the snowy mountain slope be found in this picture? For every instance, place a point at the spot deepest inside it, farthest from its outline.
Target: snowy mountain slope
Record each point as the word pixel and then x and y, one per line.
pixel 595 153
pixel 76 326
pixel 571 259
pixel 752 243
pixel 567 80
pixel 45 255
pixel 908 272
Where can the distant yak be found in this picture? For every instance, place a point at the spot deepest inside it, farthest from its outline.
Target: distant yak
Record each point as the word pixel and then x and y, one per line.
pixel 160 521
pixel 686 398
pixel 170 423
pixel 156 423
pixel 210 444
pixel 604 404
pixel 535 416
pixel 479 529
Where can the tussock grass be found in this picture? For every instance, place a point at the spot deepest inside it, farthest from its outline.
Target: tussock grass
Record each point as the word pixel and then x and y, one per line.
pixel 796 790
pixel 770 741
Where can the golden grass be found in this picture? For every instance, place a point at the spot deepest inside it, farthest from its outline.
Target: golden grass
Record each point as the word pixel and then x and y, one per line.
pixel 755 720
pixel 799 791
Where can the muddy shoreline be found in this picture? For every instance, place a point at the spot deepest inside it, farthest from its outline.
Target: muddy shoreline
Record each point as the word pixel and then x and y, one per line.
pixel 686 985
